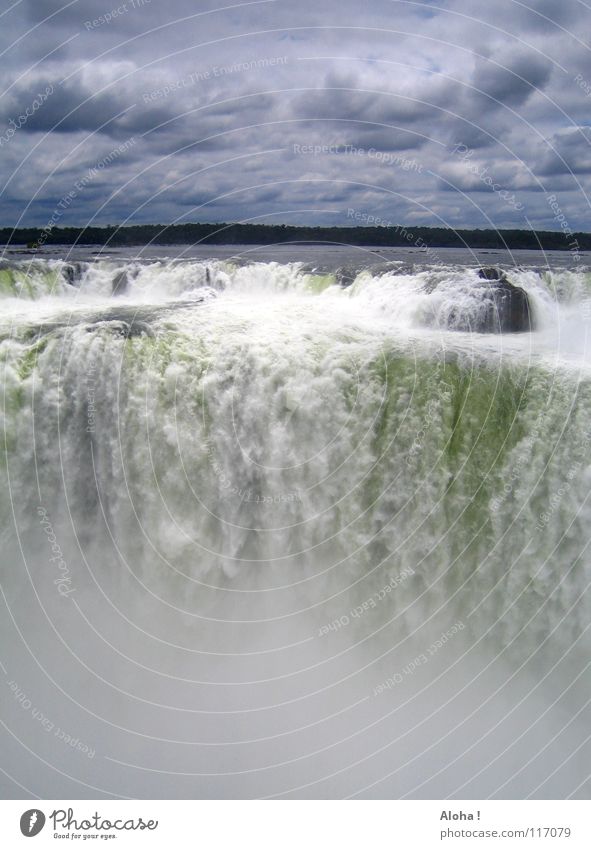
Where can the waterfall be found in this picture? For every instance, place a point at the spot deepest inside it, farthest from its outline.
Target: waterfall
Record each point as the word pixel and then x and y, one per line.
pixel 267 534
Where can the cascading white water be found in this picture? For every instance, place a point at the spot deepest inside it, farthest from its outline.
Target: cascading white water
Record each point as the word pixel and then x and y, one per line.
pixel 311 541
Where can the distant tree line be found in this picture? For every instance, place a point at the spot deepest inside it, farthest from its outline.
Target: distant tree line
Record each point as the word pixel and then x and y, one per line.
pixel 264 234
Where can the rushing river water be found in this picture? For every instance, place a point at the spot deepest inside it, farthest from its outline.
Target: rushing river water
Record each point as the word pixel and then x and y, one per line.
pixel 274 526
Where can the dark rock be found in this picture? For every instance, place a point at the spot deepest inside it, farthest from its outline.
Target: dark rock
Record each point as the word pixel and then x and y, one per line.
pixel 491 274
pixel 214 280
pixel 507 308
pixel 139 328
pixel 69 274
pixel 345 277
pixel 126 329
pixel 72 272
pixel 120 283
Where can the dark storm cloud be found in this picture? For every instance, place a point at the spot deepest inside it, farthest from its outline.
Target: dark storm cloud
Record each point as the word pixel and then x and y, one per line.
pixel 511 82
pixel 73 107
pixel 40 10
pixel 544 15
pixel 381 118
pixel 569 153
pixel 218 100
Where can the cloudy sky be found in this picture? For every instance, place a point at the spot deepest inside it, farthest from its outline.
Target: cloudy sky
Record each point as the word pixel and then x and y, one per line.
pixel 462 113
